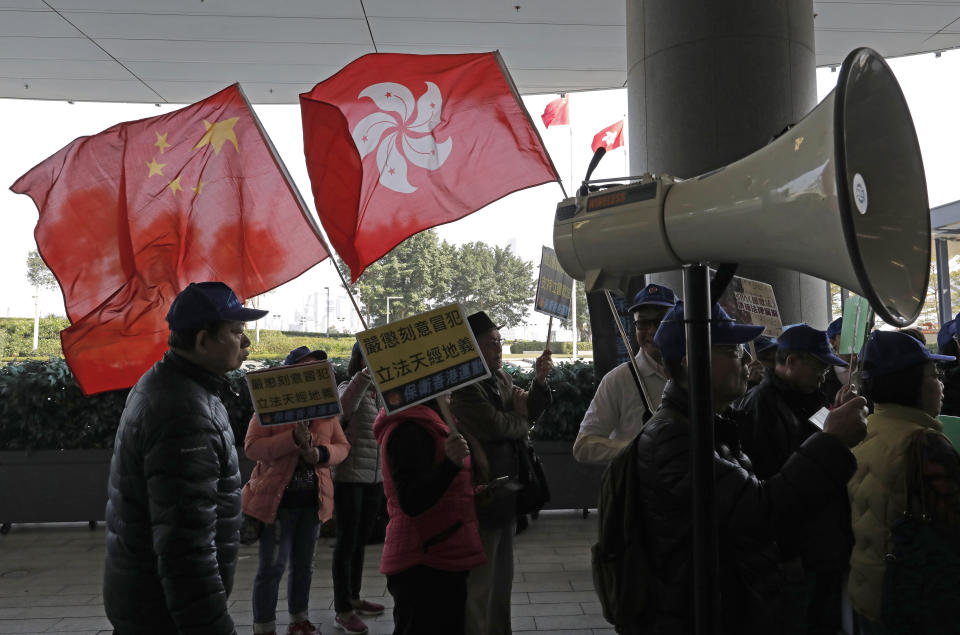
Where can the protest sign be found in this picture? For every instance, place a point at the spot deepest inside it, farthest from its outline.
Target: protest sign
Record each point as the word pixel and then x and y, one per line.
pixel 286 394
pixel 554 287
pixel 752 302
pixel 857 315
pixel 415 359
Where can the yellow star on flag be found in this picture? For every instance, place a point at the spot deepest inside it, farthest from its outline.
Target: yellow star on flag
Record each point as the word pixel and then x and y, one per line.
pixel 161 141
pixel 218 133
pixel 155 168
pixel 175 185
pixel 199 188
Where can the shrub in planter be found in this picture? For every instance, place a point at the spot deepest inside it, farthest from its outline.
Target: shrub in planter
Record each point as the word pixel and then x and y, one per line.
pixel 43 408
pixel 573 386
pixel 563 348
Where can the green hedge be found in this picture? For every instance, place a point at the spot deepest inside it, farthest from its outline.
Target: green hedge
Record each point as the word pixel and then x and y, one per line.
pixel 564 348
pixel 42 407
pixel 16 341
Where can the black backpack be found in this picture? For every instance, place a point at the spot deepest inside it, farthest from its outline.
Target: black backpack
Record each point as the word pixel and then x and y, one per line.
pixel 622 573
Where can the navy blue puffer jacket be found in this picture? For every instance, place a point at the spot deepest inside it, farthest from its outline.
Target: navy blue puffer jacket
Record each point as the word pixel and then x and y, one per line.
pixel 173 514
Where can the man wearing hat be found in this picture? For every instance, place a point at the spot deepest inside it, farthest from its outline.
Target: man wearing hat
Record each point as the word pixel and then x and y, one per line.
pixel 837 376
pixel 173 512
pixel 776 423
pixel 616 412
pixel 498 416
pixel 766 348
pixel 750 512
pixel 947 344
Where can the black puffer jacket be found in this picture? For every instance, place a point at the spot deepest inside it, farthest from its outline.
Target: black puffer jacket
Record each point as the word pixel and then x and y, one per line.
pixel 751 515
pixel 774 423
pixel 173 514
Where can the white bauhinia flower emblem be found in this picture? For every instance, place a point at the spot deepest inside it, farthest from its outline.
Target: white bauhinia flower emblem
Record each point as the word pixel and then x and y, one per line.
pixel 401 131
pixel 609 138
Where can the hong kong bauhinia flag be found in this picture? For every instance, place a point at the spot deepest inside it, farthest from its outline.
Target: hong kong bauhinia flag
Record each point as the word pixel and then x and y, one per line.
pixel 557 112
pixel 132 215
pixel 399 143
pixel 610 137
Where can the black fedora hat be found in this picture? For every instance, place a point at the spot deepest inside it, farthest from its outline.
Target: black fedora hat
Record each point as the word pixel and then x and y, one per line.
pixel 480 323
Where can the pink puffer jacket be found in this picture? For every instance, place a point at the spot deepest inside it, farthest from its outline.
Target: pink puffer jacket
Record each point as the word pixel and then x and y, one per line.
pixel 276 454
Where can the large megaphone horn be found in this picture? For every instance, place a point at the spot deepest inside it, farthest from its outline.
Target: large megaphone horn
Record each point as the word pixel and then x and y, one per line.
pixel 841 196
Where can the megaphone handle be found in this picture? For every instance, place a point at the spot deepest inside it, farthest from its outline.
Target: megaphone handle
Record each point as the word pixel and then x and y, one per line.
pixel 631 360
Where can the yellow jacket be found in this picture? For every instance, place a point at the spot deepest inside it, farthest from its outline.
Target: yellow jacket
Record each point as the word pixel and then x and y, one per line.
pixel 878 497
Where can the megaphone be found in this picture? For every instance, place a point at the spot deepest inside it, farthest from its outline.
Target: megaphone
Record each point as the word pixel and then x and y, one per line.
pixel 841 196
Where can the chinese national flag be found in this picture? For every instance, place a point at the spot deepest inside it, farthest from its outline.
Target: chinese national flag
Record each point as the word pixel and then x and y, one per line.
pixel 610 137
pixel 557 113
pixel 132 215
pixel 399 143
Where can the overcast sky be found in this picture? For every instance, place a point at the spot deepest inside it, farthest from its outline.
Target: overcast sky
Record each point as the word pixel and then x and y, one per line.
pixel 33 130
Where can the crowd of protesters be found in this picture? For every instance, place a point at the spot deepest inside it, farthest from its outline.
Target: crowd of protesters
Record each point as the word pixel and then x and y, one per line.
pixel 832 475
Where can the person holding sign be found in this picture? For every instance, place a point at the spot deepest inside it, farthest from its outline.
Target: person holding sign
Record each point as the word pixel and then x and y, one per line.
pixel 750 512
pixel 173 513
pixel 907 474
pixel 291 492
pixel 358 494
pixel 616 412
pixel 498 415
pixel 432 539
pixel 777 422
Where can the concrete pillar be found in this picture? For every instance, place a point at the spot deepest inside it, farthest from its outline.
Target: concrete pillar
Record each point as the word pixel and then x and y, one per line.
pixel 711 82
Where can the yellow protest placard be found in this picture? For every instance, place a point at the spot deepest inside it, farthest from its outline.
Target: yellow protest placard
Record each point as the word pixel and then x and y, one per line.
pixel 286 394
pixel 752 302
pixel 415 359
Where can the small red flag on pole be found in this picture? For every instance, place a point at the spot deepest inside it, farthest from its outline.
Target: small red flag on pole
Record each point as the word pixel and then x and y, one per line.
pixel 557 113
pixel 610 137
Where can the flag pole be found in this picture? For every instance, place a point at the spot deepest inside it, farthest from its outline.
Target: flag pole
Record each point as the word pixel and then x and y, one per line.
pixel 549 329
pixel 573 297
pixel 300 201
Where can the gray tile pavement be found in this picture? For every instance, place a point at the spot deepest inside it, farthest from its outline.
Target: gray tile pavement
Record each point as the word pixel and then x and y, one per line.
pixel 50 581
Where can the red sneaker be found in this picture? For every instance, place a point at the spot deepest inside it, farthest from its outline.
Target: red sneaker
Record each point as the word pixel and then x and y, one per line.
pixel 303 628
pixel 370 609
pixel 351 625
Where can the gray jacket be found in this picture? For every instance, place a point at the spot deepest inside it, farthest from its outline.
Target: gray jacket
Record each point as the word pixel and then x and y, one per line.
pixel 360 404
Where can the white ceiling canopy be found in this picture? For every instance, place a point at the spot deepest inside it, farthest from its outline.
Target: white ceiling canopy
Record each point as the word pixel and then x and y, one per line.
pixel 180 51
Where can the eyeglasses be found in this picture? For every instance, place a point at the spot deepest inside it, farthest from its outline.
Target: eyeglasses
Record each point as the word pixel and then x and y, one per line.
pixel 498 343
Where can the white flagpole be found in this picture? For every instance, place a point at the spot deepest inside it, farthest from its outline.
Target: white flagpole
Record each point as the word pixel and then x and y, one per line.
pixel 573 296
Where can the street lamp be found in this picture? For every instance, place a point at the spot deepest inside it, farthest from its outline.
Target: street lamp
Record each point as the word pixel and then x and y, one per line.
pixel 391 297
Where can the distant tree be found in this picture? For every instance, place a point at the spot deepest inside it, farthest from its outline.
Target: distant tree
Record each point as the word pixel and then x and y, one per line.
pixel 38 273
pixel 492 279
pixel 424 272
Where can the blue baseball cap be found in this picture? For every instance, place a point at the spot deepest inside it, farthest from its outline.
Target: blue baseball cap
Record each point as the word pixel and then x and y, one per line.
pixel 947 332
pixel 889 351
pixel 653 295
pixel 671 337
pixel 764 343
pixel 803 338
pixel 203 303
pixel 300 352
pixel 834 328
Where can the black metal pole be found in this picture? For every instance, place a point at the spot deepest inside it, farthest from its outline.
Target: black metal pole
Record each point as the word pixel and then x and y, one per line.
pixel 697 313
pixel 944 306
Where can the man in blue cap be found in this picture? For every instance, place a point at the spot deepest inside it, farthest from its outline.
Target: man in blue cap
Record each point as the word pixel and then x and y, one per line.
pixel 616 412
pixel 948 343
pixel 750 512
pixel 173 513
pixel 776 423
pixel 837 376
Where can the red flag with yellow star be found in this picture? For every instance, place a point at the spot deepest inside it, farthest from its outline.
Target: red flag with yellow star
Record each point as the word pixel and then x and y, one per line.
pixel 132 215
pixel 399 143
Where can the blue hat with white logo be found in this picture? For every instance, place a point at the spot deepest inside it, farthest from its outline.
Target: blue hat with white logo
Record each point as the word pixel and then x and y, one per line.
pixel 653 295
pixel 202 303
pixel 671 337
pixel 889 351
pixel 802 338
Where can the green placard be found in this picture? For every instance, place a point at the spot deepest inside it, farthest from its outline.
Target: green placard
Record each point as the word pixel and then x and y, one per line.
pixel 951 428
pixel 856 316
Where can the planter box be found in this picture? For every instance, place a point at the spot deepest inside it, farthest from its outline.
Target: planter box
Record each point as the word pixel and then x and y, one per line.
pixel 573 485
pixel 51 486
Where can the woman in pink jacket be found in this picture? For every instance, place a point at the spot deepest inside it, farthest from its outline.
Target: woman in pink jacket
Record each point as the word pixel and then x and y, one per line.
pixel 291 491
